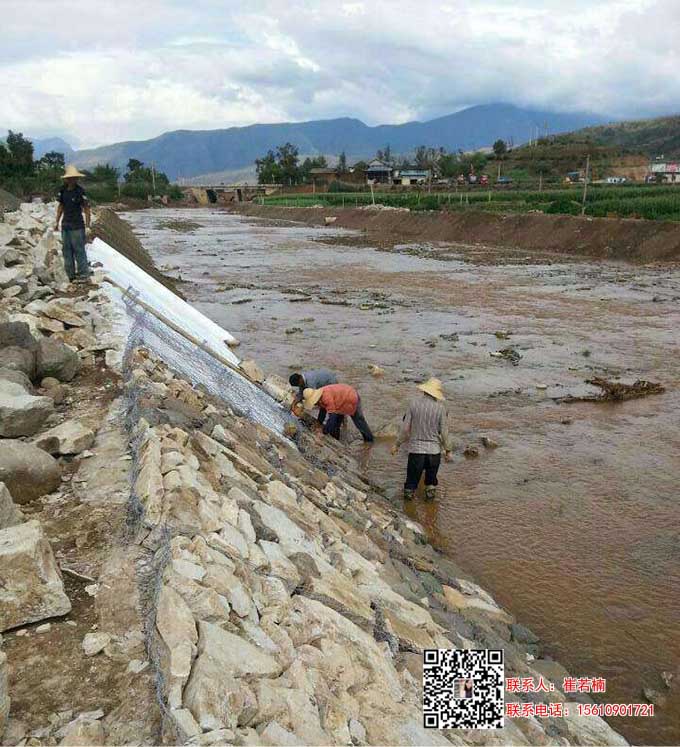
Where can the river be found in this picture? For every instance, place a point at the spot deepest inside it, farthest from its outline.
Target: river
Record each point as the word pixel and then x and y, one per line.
pixel 573 522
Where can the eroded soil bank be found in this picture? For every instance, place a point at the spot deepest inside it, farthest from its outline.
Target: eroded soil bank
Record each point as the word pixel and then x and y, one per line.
pixel 573 521
pixel 606 238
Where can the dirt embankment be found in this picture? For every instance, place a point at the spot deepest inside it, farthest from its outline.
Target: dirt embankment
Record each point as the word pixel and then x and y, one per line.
pixel 602 238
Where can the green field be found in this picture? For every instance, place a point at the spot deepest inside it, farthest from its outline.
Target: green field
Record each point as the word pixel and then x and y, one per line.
pixel 653 202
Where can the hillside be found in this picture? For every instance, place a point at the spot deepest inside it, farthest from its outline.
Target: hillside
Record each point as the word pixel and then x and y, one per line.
pixel 188 153
pixel 650 137
pixel 615 149
pixel 40 147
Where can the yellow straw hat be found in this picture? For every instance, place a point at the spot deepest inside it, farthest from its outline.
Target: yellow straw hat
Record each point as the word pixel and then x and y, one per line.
pixel 71 172
pixel 433 387
pixel 310 397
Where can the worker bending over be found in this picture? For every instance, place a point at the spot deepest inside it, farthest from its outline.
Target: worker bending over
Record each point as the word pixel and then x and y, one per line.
pixel 338 400
pixel 426 430
pixel 313 379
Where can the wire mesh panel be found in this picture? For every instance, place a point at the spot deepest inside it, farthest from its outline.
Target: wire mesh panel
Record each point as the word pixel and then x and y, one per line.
pixel 199 367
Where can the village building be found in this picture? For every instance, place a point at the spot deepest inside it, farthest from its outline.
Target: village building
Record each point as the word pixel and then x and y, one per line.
pixel 408 177
pixel 322 177
pixel 665 171
pixel 379 172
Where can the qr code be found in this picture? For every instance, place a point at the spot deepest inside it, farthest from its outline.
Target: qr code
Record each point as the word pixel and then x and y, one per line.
pixel 463 689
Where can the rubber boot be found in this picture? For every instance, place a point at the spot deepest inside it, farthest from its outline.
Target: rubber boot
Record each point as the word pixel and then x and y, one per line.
pixel 430 492
pixel 409 495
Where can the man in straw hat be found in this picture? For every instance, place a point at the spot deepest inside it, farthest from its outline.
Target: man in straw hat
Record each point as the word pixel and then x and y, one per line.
pixel 72 204
pixel 338 400
pixel 426 430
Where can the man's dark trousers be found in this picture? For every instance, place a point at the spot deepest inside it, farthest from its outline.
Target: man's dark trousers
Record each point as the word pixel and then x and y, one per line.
pixel 335 420
pixel 419 463
pixel 73 249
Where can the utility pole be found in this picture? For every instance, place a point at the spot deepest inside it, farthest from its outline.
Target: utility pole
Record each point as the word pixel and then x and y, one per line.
pixel 540 182
pixel 585 185
pixel 153 177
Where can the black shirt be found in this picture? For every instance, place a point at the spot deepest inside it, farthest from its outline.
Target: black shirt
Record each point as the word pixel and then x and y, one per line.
pixel 73 201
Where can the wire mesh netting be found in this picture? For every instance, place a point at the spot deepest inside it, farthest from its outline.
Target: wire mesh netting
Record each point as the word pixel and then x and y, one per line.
pixel 200 368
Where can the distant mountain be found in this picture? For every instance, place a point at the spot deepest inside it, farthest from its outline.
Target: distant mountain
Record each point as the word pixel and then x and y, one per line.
pixel 187 153
pixel 40 147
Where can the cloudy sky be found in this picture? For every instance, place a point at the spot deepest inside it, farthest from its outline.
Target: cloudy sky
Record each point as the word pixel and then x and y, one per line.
pixel 99 71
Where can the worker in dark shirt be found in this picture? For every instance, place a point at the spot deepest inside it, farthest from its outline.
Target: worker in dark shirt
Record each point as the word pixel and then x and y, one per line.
pixel 313 379
pixel 72 204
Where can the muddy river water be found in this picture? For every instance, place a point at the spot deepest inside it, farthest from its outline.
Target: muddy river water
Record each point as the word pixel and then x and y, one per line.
pixel 573 522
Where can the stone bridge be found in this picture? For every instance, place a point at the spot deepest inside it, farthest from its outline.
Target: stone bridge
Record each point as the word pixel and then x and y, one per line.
pixel 206 194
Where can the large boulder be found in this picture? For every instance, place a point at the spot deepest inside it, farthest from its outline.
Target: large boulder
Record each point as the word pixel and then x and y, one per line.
pixel 177 630
pixel 70 437
pixel 56 360
pixel 27 471
pixel 4 692
pixel 21 414
pixel 214 694
pixel 11 276
pixel 31 588
pixel 16 334
pixel 6 235
pixel 10 515
pixel 16 377
pixel 19 359
pixel 82 732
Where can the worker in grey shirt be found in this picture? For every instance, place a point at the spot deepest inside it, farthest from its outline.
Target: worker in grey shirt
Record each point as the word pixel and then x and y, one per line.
pixel 313 379
pixel 426 430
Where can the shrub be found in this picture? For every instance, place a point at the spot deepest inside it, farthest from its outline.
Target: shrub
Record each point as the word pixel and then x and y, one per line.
pixel 564 206
pixel 338 186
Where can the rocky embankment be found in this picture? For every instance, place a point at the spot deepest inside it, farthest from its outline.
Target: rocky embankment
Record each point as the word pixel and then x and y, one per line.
pixel 172 572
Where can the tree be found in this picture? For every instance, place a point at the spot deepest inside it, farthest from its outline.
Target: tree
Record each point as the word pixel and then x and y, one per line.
pixel 105 173
pixel 138 173
pixel 429 158
pixel 281 166
pixel 16 157
pixel 287 157
pixel 500 148
pixel 385 155
pixel 5 162
pixel 342 163
pixel 449 165
pixel 134 165
pixel 21 153
pixel 360 166
pixel 52 161
pixel 308 164
pixel 268 171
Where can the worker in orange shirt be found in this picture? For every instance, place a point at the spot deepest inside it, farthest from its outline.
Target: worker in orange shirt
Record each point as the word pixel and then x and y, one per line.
pixel 338 400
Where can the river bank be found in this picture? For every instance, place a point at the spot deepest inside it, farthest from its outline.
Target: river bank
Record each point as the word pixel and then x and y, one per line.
pixel 583 488
pixel 200 578
pixel 602 238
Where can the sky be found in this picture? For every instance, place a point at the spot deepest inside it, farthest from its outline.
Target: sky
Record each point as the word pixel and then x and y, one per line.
pixel 102 71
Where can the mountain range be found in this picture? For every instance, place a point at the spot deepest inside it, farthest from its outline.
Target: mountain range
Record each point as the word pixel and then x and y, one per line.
pixel 57 144
pixel 188 153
